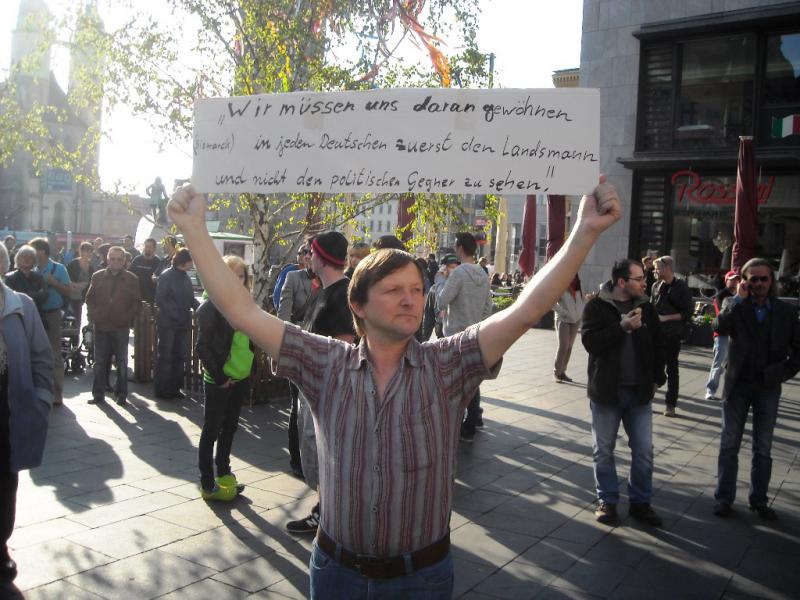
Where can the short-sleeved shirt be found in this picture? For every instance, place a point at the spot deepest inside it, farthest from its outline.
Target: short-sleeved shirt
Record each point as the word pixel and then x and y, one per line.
pixel 387 465
pixel 329 313
pixel 55 299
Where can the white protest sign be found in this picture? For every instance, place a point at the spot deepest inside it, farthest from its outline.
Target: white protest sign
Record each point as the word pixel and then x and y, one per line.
pixel 451 141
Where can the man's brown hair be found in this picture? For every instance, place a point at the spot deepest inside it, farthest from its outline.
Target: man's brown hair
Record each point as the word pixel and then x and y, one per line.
pixel 370 271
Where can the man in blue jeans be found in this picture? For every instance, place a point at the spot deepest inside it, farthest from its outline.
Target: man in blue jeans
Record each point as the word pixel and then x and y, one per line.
pixel 112 302
pixel 622 335
pixel 763 352
pixel 387 412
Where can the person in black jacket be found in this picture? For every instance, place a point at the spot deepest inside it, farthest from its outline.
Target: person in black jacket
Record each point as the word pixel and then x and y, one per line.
pixel 622 335
pixel 673 302
pixel 175 301
pixel 763 352
pixel 25 280
pixel 227 358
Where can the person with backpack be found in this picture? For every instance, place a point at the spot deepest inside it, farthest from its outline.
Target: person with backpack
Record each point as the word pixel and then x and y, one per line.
pixel 227 359
pixel 59 288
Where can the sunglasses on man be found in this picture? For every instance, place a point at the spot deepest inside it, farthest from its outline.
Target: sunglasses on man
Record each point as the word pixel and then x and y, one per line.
pixel 757 278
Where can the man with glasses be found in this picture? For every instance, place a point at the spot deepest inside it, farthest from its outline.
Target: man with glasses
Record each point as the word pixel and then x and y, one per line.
pixel 673 302
pixel 763 352
pixel 622 334
pixel 112 302
pixel 301 262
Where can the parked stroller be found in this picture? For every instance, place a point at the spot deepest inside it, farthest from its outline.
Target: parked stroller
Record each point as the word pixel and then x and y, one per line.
pixel 77 354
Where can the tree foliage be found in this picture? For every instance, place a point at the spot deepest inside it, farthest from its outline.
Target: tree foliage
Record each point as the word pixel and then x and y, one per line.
pixel 208 48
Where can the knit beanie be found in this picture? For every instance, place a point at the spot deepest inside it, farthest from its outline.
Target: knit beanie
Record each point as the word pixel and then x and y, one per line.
pixel 331 247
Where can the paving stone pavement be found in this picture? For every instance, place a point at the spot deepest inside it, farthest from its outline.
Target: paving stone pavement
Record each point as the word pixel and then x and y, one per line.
pixel 114 512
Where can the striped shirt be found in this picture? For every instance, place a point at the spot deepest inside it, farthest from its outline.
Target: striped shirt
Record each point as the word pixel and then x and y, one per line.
pixel 387 465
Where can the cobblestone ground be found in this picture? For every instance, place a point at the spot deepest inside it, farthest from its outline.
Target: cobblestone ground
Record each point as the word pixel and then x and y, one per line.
pixel 114 512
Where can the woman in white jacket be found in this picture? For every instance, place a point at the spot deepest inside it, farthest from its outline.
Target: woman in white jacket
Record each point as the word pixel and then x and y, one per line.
pixel 569 310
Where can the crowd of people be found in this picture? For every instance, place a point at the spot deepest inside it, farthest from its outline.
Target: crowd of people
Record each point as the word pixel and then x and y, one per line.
pixel 378 404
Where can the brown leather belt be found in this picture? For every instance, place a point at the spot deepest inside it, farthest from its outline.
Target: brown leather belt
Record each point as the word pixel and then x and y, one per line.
pixel 374 567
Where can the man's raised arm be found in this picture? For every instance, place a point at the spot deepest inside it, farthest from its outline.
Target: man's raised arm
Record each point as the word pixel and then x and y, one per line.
pixel 187 210
pixel 596 214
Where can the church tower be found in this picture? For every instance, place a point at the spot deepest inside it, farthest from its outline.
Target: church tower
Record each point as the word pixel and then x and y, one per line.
pixel 31 46
pixel 85 87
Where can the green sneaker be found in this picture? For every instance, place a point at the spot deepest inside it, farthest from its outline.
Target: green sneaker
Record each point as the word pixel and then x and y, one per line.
pixel 229 481
pixel 220 493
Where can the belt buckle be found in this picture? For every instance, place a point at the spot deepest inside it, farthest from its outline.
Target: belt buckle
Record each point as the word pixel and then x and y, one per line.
pixel 372 566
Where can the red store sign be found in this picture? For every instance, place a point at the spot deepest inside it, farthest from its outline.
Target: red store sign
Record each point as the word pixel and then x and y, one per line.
pixel 694 190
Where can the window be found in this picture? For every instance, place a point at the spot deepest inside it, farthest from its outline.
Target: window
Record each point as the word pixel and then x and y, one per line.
pixel 780 115
pixel 707 92
pixel 380 223
pixel 715 102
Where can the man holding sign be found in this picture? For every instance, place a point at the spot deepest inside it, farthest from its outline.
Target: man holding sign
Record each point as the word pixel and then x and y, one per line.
pixel 388 411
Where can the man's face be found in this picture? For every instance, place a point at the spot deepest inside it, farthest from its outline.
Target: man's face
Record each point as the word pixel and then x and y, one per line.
pixel 116 261
pixel 24 263
pixel 759 282
pixel 127 243
pixel 149 249
pixel 97 242
pixel 186 266
pixel 663 271
pixel 86 253
pixel 394 304
pixel 10 243
pixel 304 258
pixel 449 268
pixel 635 284
pixel 42 257
pixel 648 263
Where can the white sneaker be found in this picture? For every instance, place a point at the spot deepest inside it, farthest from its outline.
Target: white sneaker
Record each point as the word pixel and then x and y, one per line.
pixel 710 395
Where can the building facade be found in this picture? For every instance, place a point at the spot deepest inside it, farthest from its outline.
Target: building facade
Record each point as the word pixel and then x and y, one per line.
pixel 50 199
pixel 680 82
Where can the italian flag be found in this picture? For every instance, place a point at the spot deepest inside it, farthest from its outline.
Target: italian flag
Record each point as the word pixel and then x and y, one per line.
pixel 786 126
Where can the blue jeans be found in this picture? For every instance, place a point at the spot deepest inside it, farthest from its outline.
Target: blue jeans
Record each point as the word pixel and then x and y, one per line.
pixel 638 422
pixel 734 417
pixel 106 345
pixel 220 422
pixel 171 361
pixel 717 363
pixel 331 581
